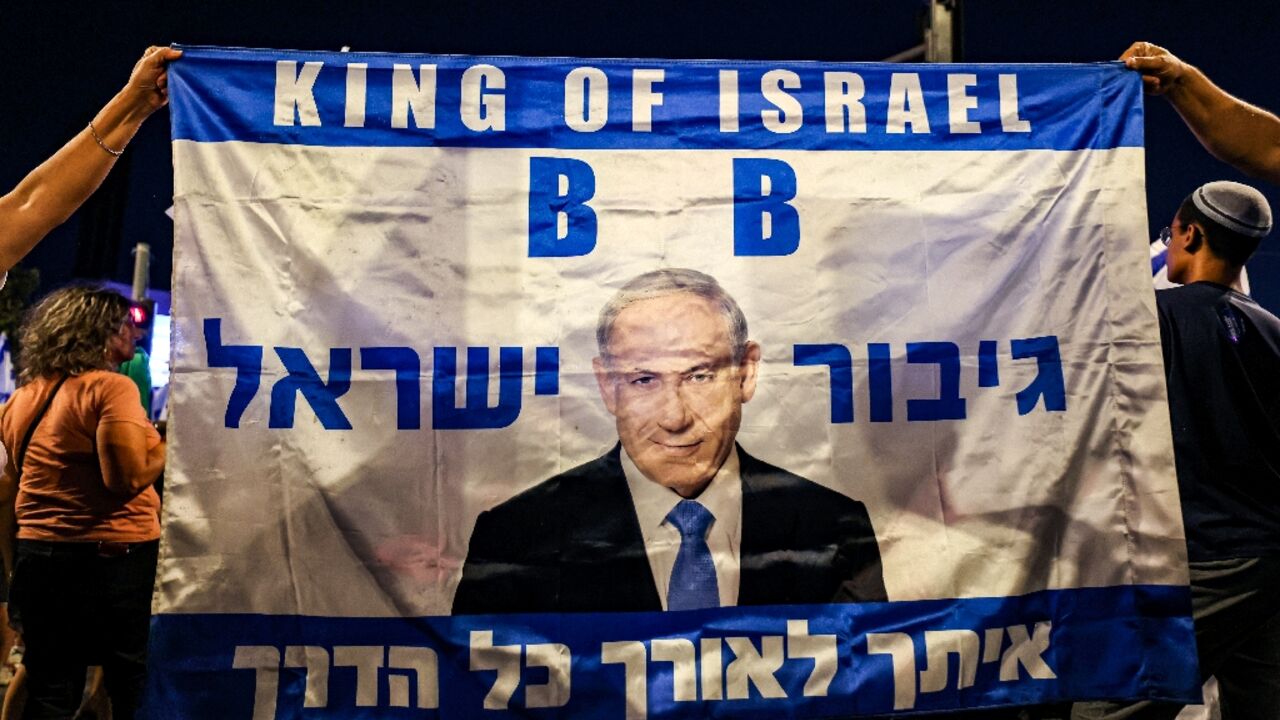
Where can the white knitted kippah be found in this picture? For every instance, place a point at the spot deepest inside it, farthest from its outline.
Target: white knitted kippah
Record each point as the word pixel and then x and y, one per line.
pixel 1235 207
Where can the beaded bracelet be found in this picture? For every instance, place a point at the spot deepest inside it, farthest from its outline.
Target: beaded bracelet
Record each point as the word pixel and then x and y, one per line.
pixel 94 131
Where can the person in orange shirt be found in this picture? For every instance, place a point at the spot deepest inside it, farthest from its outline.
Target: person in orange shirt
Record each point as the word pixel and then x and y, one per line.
pixel 77 494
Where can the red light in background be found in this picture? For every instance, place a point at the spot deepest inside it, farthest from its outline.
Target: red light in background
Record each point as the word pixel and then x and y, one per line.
pixel 140 315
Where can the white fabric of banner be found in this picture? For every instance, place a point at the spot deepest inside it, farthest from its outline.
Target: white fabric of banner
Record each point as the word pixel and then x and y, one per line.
pixel 350 247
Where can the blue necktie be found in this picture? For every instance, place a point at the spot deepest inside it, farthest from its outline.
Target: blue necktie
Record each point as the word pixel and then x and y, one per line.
pixel 693 579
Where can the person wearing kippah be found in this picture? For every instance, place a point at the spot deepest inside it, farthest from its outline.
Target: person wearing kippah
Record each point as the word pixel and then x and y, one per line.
pixel 1222 366
pixel 1232 130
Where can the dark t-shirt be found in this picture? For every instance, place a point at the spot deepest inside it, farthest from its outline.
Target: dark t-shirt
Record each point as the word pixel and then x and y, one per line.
pixel 1222 362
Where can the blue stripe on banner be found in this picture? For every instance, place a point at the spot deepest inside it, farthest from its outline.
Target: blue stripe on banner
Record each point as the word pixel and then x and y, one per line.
pixel 347 99
pixel 787 661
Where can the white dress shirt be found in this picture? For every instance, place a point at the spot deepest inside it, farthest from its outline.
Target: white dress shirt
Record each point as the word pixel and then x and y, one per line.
pixel 722 497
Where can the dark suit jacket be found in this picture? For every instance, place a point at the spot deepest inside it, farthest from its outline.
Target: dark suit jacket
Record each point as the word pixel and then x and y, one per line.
pixel 573 544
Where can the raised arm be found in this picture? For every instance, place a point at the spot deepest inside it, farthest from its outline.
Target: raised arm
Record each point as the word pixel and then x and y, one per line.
pixel 49 194
pixel 1234 131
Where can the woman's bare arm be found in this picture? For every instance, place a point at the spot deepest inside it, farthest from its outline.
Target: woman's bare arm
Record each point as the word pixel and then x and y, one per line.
pixel 46 197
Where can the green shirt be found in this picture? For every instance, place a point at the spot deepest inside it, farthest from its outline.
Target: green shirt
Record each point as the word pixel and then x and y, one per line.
pixel 139 371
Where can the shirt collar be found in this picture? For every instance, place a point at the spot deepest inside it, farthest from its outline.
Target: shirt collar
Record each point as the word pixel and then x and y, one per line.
pixel 723 496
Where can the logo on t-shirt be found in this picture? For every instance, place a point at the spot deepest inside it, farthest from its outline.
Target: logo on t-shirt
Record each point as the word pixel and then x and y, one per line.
pixel 1232 322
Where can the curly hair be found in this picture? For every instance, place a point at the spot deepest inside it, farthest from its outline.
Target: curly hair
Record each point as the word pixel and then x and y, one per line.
pixel 67 332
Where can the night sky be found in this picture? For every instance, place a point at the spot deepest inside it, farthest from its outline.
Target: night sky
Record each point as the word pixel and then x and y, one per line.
pixel 63 60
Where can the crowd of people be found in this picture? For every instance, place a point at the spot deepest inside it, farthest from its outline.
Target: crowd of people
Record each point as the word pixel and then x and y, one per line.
pixel 79 523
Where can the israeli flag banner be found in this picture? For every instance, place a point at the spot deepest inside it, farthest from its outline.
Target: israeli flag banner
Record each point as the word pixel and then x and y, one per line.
pixel 622 389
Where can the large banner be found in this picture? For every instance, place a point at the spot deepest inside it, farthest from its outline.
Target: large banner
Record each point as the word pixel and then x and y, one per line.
pixel 650 389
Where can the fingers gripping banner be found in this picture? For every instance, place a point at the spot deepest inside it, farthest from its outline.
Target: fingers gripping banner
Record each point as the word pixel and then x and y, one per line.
pixel 653 389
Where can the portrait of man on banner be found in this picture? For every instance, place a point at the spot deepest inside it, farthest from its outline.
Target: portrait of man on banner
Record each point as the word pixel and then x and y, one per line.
pixel 677 515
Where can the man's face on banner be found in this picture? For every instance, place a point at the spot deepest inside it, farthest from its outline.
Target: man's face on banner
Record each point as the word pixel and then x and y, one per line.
pixel 670 380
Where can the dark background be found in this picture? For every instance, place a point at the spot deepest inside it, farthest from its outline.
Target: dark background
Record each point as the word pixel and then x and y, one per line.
pixel 61 60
